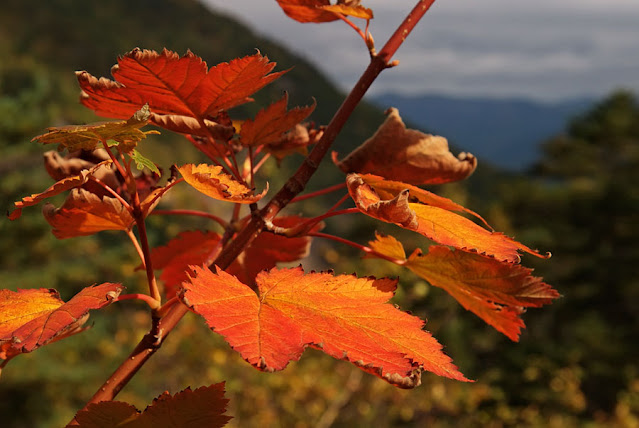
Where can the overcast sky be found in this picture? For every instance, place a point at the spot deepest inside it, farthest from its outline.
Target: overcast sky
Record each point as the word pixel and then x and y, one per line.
pixel 544 49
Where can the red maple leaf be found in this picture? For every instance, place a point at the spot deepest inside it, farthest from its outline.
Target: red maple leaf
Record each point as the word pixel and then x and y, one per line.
pixel 344 316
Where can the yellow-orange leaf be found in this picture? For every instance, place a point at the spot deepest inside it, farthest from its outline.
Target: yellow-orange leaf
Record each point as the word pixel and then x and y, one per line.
pixel 89 137
pixel 497 292
pixel 217 184
pixel 270 123
pixel 59 187
pixel 407 155
pixel 32 318
pixel 433 221
pixel 344 316
pixel 84 213
pixel 354 10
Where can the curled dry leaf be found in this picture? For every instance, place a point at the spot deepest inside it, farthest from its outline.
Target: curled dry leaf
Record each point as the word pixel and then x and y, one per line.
pixel 215 183
pixel 84 213
pixel 273 121
pixel 203 407
pixel 497 292
pixel 32 318
pixel 89 137
pixel 295 140
pixel 407 155
pixel 176 88
pixel 344 316
pixel 433 221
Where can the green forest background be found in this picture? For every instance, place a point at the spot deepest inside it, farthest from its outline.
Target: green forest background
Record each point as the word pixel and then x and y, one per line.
pixel 577 363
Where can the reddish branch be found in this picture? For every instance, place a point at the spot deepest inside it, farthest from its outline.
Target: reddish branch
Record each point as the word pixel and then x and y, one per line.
pixel 295 185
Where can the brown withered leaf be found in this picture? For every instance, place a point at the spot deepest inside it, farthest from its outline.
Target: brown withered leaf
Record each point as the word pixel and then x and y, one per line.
pixel 407 155
pixel 295 141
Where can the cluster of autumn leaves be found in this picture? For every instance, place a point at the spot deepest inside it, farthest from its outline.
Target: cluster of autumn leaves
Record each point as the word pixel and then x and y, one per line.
pixel 268 315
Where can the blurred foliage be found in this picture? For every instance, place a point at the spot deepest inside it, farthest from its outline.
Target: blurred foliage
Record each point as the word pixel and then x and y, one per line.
pixel 576 364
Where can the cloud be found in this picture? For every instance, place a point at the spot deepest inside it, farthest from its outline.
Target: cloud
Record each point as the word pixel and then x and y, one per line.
pixel 544 49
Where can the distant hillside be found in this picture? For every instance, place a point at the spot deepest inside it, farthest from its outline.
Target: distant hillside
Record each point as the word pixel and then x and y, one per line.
pixel 505 132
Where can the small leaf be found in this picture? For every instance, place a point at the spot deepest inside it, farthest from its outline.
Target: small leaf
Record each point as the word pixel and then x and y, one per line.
pixel 141 162
pixel 32 318
pixel 84 213
pixel 59 187
pixel 270 123
pixel 497 292
pixel 204 407
pixel 354 10
pixel 407 155
pixel 124 134
pixel 344 316
pixel 215 183
pixel 307 10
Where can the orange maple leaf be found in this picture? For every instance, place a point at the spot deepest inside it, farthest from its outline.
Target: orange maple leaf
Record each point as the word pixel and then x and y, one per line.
pixel 429 218
pixel 271 122
pixel 32 318
pixel 344 316
pixel 203 407
pixel 181 91
pixel 497 292
pixel 217 184
pixel 84 213
pixel 322 11
pixel 407 155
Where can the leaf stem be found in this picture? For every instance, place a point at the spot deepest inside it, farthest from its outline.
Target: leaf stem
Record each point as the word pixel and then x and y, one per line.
pixel 318 192
pixel 213 217
pixel 139 296
pixel 367 250
pixel 136 244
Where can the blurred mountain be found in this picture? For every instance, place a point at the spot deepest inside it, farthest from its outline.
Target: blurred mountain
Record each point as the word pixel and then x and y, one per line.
pixel 505 132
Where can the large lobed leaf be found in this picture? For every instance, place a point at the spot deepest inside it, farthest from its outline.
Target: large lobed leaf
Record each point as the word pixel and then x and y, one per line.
pixel 497 292
pixel 344 316
pixel 32 318
pixel 181 91
pixel 203 407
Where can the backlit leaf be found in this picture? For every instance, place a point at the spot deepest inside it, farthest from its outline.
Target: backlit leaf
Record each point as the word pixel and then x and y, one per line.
pixel 436 223
pixel 88 137
pixel 217 184
pixel 346 317
pixel 203 407
pixel 270 123
pixel 322 10
pixel 32 318
pixel 407 155
pixel 84 213
pixel 175 86
pixel 497 292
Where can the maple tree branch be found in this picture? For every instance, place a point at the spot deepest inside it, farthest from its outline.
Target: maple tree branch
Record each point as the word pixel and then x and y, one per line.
pixel 295 185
